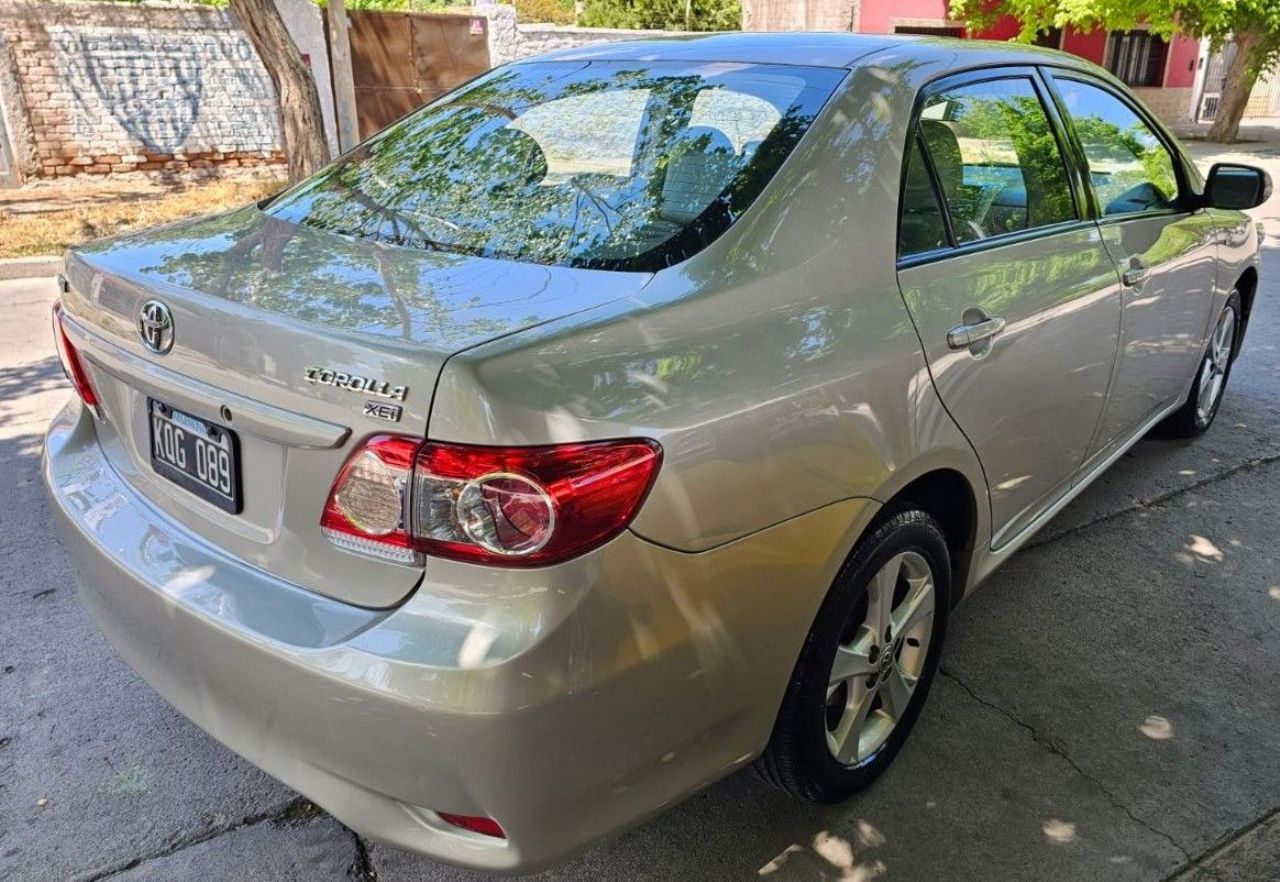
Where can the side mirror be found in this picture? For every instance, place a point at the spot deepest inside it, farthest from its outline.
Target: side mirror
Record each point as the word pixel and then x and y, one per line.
pixel 1236 186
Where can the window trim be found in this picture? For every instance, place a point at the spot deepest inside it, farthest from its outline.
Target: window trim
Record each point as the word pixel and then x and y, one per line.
pixel 956 79
pixel 1017 237
pixel 1187 200
pixel 916 139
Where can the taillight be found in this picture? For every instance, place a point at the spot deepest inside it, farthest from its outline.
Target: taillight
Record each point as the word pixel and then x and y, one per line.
pixel 476 824
pixel 511 506
pixel 71 364
pixel 368 505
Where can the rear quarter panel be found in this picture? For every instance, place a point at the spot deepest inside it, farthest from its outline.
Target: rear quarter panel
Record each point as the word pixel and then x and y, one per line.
pixel 778 368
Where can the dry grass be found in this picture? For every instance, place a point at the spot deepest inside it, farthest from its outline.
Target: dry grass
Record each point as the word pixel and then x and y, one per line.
pixel 48 220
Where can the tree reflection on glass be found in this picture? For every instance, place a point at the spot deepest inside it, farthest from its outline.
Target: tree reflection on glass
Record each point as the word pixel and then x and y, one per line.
pixel 601 164
pixel 1131 170
pixel 998 161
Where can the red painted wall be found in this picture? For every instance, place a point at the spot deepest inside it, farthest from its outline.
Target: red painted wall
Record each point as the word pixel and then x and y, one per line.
pixel 876 16
pixel 1180 71
pixel 1091 46
pixel 1005 29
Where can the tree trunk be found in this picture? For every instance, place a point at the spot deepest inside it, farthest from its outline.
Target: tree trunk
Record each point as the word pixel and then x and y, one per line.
pixel 301 125
pixel 1242 73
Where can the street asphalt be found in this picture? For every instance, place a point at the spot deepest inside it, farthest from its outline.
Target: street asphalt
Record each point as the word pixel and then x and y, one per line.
pixel 1108 707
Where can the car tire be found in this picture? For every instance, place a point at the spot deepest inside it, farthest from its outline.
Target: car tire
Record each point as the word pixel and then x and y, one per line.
pixel 825 746
pixel 1212 372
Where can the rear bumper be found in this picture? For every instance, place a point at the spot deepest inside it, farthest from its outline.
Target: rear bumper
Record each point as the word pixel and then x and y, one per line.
pixel 566 703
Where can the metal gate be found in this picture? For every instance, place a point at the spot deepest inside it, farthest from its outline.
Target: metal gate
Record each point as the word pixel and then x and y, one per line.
pixel 1264 100
pixel 400 61
pixel 1215 77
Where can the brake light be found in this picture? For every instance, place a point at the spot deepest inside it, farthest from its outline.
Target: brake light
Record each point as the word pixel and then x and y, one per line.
pixel 396 498
pixel 482 825
pixel 71 364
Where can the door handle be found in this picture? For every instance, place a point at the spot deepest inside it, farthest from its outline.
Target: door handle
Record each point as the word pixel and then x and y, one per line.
pixel 967 336
pixel 1136 273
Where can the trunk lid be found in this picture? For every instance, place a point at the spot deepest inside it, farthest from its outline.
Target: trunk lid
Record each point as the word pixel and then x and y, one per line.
pixel 282 333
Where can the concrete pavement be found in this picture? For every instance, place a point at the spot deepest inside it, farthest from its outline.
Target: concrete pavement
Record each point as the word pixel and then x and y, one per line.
pixel 1107 708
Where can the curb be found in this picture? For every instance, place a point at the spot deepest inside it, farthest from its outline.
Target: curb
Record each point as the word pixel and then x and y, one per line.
pixel 30 267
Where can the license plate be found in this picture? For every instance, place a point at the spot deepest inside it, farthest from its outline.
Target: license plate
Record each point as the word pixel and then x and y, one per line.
pixel 196 455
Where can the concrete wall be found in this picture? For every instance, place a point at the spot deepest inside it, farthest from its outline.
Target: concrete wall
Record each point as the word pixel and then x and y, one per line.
pixel 1172 105
pixel 305 23
pixel 509 41
pixel 109 87
pixel 17 144
pixel 800 15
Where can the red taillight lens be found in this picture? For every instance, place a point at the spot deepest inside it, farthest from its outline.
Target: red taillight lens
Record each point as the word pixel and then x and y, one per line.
pixel 71 364
pixel 368 503
pixel 525 506
pixel 485 826
pixel 513 506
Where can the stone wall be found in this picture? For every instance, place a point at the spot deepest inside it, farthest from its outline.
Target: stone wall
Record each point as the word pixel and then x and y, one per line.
pixel 109 87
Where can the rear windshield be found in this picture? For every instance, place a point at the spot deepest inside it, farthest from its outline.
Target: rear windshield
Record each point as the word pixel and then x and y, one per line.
pixel 607 165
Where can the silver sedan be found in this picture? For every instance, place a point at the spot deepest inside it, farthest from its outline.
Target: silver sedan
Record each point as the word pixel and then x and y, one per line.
pixel 630 415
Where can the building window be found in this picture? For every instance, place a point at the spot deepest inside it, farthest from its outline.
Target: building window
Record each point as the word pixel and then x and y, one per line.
pixel 1137 57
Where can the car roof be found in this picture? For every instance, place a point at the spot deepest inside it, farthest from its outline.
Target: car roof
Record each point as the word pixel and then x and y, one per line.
pixel 835 50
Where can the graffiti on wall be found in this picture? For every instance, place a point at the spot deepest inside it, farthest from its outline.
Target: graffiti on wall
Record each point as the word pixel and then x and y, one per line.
pixel 167 91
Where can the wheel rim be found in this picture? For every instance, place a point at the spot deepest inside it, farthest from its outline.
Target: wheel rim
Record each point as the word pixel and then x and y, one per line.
pixel 880 660
pixel 1213 370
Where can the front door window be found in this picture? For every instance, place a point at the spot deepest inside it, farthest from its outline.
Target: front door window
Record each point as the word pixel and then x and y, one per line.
pixel 1131 169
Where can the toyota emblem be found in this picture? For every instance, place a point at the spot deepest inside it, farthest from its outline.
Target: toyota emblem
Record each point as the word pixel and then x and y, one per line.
pixel 155 325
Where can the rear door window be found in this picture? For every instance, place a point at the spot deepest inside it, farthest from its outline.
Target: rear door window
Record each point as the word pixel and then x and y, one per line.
pixel 1131 169
pixel 921 228
pixel 997 159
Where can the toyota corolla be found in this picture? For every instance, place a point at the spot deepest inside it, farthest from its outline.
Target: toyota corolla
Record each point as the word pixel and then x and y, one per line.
pixel 629 415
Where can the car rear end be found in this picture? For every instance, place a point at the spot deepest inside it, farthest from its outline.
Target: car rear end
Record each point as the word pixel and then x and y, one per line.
pixel 251 526
pixel 456 649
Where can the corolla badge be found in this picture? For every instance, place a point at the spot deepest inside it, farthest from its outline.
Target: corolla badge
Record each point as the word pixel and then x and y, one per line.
pixel 155 326
pixel 323 376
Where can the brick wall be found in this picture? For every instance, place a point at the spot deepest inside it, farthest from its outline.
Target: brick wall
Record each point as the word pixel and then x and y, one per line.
pixel 109 87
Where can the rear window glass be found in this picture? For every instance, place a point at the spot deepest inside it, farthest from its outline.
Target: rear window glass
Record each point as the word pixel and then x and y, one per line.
pixel 609 165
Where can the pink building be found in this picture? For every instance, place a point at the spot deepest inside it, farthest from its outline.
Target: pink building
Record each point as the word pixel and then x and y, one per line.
pixel 1162 72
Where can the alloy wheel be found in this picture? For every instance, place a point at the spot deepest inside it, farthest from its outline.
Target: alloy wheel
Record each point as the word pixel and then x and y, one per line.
pixel 880 659
pixel 1213 371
